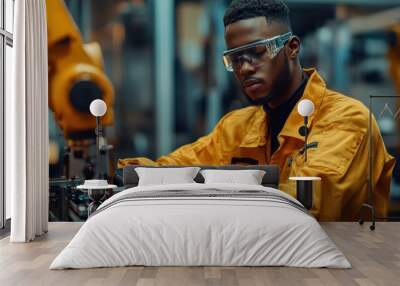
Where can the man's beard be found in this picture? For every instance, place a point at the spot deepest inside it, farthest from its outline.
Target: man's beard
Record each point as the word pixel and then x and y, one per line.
pixel 281 83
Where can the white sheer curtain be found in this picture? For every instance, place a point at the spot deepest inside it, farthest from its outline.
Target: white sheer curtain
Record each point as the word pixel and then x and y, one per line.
pixel 27 124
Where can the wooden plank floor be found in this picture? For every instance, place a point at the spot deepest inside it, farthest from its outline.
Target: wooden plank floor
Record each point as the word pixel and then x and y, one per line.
pixel 375 257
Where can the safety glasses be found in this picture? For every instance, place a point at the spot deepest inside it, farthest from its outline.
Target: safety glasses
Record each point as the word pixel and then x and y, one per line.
pixel 255 52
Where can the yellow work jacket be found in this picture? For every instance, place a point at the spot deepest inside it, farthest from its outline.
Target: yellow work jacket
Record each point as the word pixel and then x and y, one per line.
pixel 338 154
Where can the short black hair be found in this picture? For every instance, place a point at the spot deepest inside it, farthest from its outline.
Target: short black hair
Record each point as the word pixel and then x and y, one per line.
pixel 272 10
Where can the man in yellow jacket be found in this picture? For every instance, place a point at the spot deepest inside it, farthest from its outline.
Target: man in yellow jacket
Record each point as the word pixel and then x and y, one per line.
pixel 263 55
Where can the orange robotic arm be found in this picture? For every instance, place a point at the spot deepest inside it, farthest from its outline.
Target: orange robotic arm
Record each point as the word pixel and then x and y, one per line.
pixel 76 75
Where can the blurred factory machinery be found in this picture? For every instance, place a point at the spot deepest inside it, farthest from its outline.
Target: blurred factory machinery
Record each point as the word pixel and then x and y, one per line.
pixel 76 78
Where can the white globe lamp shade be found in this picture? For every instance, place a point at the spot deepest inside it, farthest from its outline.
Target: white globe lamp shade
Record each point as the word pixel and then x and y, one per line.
pixel 98 108
pixel 305 107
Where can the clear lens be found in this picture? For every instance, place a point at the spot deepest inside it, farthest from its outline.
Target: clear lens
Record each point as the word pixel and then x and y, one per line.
pixel 228 63
pixel 253 53
pixel 273 48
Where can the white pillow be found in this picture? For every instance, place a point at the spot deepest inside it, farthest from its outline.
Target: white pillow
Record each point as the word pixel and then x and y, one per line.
pixel 165 176
pixel 248 177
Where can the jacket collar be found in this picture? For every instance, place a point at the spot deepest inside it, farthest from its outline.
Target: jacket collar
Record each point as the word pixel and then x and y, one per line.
pixel 314 91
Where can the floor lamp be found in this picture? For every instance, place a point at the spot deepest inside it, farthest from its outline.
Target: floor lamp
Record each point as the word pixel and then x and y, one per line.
pixel 369 204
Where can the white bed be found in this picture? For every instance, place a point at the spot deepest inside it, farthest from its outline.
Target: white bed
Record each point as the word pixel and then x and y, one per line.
pixel 248 226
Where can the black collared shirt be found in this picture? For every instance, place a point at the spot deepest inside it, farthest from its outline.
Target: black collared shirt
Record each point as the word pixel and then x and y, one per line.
pixel 279 115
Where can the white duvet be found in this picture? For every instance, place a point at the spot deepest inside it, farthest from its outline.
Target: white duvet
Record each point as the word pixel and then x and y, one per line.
pixel 201 231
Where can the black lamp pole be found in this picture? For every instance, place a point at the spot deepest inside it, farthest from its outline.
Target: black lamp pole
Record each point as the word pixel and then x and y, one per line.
pixel 306 136
pixel 98 133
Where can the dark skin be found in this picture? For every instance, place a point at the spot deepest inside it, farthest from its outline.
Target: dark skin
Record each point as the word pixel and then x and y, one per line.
pixel 275 80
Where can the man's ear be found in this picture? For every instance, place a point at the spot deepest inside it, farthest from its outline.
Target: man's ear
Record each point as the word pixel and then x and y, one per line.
pixel 293 47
